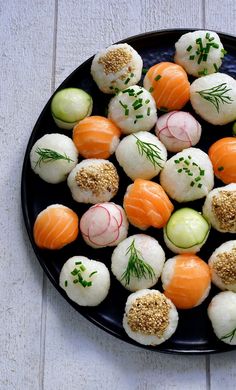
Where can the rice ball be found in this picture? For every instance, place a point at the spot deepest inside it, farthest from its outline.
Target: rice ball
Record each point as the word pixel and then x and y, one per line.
pixel 116 68
pixel 137 262
pixel 200 52
pixel 213 97
pixel 133 109
pixel 222 313
pixel 150 318
pixel 53 156
pixel 141 155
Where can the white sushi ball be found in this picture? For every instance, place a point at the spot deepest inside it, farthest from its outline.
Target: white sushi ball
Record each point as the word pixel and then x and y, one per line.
pixel 104 224
pixel 133 109
pixel 85 281
pixel 199 52
pixel 137 262
pixel 188 175
pixel 116 68
pixel 213 97
pixel 220 208
pixel 178 130
pixel 222 313
pixel 150 318
pixel 222 264
pixel 93 181
pixel 53 156
pixel 141 155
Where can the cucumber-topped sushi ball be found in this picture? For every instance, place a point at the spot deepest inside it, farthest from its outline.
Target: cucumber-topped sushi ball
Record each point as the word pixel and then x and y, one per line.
pixel 137 262
pixel 150 318
pixel 213 97
pixel 141 155
pixel 116 68
pixel 85 281
pixel 188 175
pixel 132 110
pixel 69 106
pixel 222 264
pixel 220 208
pixel 53 156
pixel 222 313
pixel 200 52
pixel 186 231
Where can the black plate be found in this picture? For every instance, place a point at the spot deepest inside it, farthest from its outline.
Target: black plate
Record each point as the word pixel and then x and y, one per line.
pixel 194 333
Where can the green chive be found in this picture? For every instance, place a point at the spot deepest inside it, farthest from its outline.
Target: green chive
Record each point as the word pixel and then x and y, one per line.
pixel 186 162
pixel 151 89
pixel 139 116
pixel 92 273
pixel 75 272
pixel 78 262
pixel 216 67
pixel 181 159
pixel 139 93
pixel 211 39
pixel 224 52
pixel 148 111
pixel 147 101
pixel 176 161
pixel 132 75
pixel 66 283
pixel 158 77
pixel 199 185
pixel 197 179
pixel 126 112
pixel 191 58
pixel 207 35
pixel 179 170
pixel 189 48
pixel 204 57
pixel 192 183
pixel 82 267
pixel 215 45
pixel 220 169
pixel 75 281
pixel 202 172
pixel 127 80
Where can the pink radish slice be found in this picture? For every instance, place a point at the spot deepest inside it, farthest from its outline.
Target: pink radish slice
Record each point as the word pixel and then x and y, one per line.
pixel 97 218
pixel 177 125
pixel 108 237
pixel 120 219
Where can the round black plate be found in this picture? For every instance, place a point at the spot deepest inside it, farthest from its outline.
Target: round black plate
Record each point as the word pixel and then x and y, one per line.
pixel 194 333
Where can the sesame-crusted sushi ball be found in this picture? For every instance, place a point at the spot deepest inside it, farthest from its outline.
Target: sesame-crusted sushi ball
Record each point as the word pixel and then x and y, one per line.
pixel 85 281
pixel 93 181
pixel 188 175
pixel 222 313
pixel 137 262
pixel 220 208
pixel 116 68
pixel 141 155
pixel 104 224
pixel 213 97
pixel 222 264
pixel 150 318
pixel 178 130
pixel 199 52
pixel 133 109
pixel 53 156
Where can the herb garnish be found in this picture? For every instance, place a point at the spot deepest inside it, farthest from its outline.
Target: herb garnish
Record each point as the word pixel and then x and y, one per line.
pixel 220 169
pixel 229 335
pixel 202 52
pixel 217 95
pixel 151 151
pixel 136 265
pixel 79 278
pixel 186 166
pixel 49 155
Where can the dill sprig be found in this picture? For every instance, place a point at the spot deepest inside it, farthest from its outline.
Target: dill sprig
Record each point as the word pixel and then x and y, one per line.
pixel 229 335
pixel 217 95
pixel 49 155
pixel 136 265
pixel 151 151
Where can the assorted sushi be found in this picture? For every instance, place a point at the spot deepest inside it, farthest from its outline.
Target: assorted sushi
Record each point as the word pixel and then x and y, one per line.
pixel 223 157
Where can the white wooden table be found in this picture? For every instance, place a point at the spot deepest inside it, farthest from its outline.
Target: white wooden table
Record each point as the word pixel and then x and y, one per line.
pixel 44 343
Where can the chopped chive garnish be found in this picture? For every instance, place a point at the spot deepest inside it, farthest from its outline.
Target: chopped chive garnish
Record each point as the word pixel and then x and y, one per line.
pixel 186 162
pixel 215 45
pixel 147 101
pixel 176 161
pixel 224 52
pixel 74 272
pixel 75 281
pixel 132 75
pixel 189 48
pixel 111 87
pixel 191 58
pixel 203 72
pixel 207 35
pixel 92 273
pixel 66 283
pixel 148 111
pixel 158 77
pixel 78 262
pixel 202 172
pixel 139 116
pixel 211 39
pixel 220 169
pixel 151 89
pixel 82 267
pixel 179 170
pixel 197 179
pixel 181 159
pixel 216 67
pixel 126 112
pixel 204 57
pixel 139 93
pixel 199 185
pixel 192 183
pixel 127 80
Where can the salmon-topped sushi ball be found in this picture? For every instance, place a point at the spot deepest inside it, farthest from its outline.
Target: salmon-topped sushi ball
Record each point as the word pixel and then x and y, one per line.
pixel 96 137
pixel 116 68
pixel 168 83
pixel 55 227
pixel 223 157
pixel 186 280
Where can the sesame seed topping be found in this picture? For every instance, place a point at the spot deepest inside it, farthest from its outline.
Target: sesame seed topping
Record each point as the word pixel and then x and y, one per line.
pixel 224 208
pixel 225 266
pixel 115 59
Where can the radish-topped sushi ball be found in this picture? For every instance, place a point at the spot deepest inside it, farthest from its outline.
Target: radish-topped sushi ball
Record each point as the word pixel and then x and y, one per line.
pixel 222 264
pixel 150 318
pixel 116 68
pixel 222 313
pixel 85 281
pixel 178 130
pixel 93 181
pixel 137 262
pixel 188 175
pixel 141 155
pixel 213 97
pixel 104 224
pixel 199 52
pixel 53 156
pixel 220 208
pixel 133 110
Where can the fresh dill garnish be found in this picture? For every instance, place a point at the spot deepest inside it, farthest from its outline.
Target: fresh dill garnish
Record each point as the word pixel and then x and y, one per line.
pixel 229 335
pixel 217 95
pixel 151 151
pixel 136 265
pixel 49 155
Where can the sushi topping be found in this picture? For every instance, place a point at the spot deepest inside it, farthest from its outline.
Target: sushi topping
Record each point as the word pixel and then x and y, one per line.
pixel 225 266
pixel 115 60
pixel 202 51
pixel 125 107
pixel 66 283
pixel 137 103
pixel 149 315
pixel 98 178
pixel 220 169
pixel 217 95
pixel 145 70
pixel 151 152
pixel 158 77
pixel 203 72
pixel 229 335
pixel 49 155
pixel 189 167
pixel 79 278
pixel 136 265
pixel 224 208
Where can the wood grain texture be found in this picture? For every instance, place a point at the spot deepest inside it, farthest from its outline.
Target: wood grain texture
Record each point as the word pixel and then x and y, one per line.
pixel 25 74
